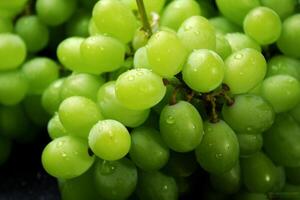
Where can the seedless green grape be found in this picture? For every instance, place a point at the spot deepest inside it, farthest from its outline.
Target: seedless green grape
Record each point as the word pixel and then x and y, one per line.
pixel 223 25
pixel 140 59
pixel 223 47
pixel 239 41
pixel 66 157
pixel 6 25
pixel 109 140
pixel 55 128
pixel 78 25
pixel 282 8
pixel 249 143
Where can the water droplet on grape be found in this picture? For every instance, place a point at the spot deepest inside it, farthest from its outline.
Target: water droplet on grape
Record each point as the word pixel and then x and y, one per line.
pixel 241 73
pixel 60 144
pixel 249 129
pixel 140 73
pixel 64 155
pixel 165 187
pixel 170 120
pixel 130 78
pixel 238 56
pixel 219 155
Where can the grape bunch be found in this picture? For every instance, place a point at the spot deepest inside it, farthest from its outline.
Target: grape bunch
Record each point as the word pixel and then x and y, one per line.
pixel 158 99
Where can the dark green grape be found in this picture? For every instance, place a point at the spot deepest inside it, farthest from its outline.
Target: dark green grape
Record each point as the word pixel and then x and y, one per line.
pixel 280 179
pixel 249 143
pixel 79 24
pixel 181 126
pixel 223 25
pixel 148 150
pixel 5 149
pixel 218 151
pixel 258 173
pixel 115 180
pixel 282 141
pixel 228 182
pixel 293 175
pixel 250 196
pixel 156 186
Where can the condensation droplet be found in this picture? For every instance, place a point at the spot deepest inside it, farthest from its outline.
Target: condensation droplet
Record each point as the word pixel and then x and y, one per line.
pixel 219 155
pixel 249 129
pixel 64 155
pixel 130 78
pixel 165 187
pixel 170 120
pixel 60 143
pixel 241 73
pixel 238 56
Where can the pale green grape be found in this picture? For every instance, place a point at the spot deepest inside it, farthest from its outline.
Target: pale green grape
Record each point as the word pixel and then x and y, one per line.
pixel 284 65
pixel 282 91
pixel 139 89
pixel 223 47
pixel 111 108
pixel 140 59
pixel 150 5
pixel 244 70
pixel 166 53
pixel 204 70
pixel 55 128
pixel 101 54
pixel 109 140
pixel 78 115
pixel 12 51
pixel 178 11
pixel 40 72
pixel 223 25
pixel 114 18
pixel 282 8
pixel 140 39
pixel 93 30
pixel 66 157
pixel 197 33
pixel 6 25
pixel 263 25
pixel 239 41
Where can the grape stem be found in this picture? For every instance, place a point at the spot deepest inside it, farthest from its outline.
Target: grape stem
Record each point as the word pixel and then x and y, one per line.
pixel 144 18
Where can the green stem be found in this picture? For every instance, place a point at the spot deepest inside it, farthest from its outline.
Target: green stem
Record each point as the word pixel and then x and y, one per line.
pixel 144 18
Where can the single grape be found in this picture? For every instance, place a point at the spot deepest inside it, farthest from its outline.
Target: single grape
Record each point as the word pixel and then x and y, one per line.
pixel 79 24
pixel 78 115
pixel 244 70
pixel 249 114
pixel 66 157
pixel 223 47
pixel 111 108
pixel 139 89
pixel 218 151
pixel 12 51
pixel 166 54
pixel 55 128
pixel 284 65
pixel 150 5
pixel 282 8
pixel 282 91
pixel 140 59
pixel 178 11
pixel 249 143
pixel 115 179
pixel 197 33
pixel 148 150
pixel 263 25
pixel 223 25
pixel 40 72
pixel 109 140
pixel 6 25
pixel 204 70
pixel 239 41
pixel 181 126
pixel 121 26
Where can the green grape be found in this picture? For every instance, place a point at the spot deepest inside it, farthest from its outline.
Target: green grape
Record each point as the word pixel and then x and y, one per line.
pixel 12 51
pixel 34 33
pixel 166 54
pixel 111 108
pixel 9 9
pixel 152 120
pixel 81 84
pixel 284 65
pixel 249 143
pixel 78 115
pixel 250 196
pixel 101 54
pixel 115 179
pixel 150 5
pixel 235 11
pixel 79 24
pixel 140 39
pixel 178 11
pixel 35 111
pixel 6 25
pixel 281 141
pixel 5 149
pixel 263 25
pixel 239 41
pixel 148 150
pixel 197 33
pixel 55 128
pixel 13 122
pixel 289 40
pixel 282 8
pixel 66 157
pixel 280 179
pixel 140 59
pixel 68 53
pixel 282 91
pixel 181 164
pixel 223 47
pixel 258 173
pixel 295 112
pixel 121 26
pixel 127 65
pixel 109 140
pixel 223 25
pixel 219 150
pixel 208 9
pixel 79 188
pixel 228 182
pixel 55 12
pixel 40 72
pixel 51 98
pixel 13 87
pixel 183 185
pixel 156 186
pixel 204 70
pixel 244 70
pixel 139 89
pixel 293 190
pixel 181 126
pixel 88 4
pixel 249 114
pixel 93 30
